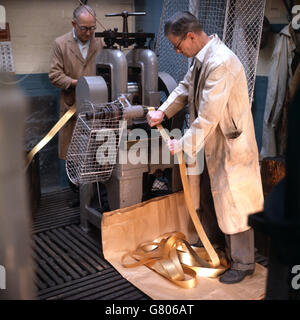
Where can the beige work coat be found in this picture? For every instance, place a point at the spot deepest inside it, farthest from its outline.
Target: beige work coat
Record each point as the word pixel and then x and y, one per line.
pixel 222 112
pixel 279 78
pixel 66 65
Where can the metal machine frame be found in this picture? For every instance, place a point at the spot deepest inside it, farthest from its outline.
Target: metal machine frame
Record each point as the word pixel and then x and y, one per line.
pixel 136 76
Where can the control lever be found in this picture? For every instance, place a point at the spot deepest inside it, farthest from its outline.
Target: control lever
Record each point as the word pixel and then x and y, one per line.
pixel 125 14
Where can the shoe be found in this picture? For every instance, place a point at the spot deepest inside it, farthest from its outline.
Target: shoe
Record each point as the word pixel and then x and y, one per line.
pixel 234 276
pixel 198 244
pixel 73 203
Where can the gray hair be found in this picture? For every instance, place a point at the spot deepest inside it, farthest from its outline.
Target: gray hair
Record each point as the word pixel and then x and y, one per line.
pixel 181 23
pixel 83 9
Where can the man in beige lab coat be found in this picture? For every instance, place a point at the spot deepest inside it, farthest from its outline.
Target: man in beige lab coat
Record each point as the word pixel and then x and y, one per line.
pixel 73 56
pixel 215 87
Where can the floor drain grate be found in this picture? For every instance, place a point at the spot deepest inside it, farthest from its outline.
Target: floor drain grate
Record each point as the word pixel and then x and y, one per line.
pixel 69 263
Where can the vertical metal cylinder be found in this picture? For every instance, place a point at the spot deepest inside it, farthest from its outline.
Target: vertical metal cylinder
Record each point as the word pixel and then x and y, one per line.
pixel 114 60
pixel 15 225
pixel 146 60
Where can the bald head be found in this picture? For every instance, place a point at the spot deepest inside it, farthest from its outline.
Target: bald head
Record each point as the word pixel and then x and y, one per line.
pixel 83 10
pixel 84 23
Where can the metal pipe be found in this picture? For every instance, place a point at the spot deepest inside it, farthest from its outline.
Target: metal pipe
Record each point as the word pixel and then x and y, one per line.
pixel 134 112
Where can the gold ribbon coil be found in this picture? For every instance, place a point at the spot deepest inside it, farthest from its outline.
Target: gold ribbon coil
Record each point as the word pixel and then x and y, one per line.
pixel 175 259
pixel 62 121
pixel 171 255
pixel 189 201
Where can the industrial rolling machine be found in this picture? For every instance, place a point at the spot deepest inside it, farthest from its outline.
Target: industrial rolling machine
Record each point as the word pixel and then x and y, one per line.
pixel 123 88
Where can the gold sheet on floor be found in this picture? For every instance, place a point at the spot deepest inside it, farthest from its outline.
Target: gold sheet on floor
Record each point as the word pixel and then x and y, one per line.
pixel 124 229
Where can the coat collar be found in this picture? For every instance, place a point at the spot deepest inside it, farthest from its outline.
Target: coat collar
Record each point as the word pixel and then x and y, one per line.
pixel 92 49
pixel 289 33
pixel 75 49
pixel 200 56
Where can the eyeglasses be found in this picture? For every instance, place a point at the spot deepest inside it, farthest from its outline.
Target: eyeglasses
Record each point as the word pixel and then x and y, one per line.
pixel 84 28
pixel 177 46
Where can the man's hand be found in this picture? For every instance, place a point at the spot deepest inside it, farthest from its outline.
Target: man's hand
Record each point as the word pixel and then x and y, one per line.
pixel 174 146
pixel 74 83
pixel 155 117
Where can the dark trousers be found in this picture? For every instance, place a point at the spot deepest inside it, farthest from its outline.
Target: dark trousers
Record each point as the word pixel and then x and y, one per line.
pixel 240 250
pixel 239 247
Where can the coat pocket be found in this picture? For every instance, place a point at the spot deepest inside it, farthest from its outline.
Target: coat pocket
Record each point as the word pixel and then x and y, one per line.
pixel 236 147
pixel 234 135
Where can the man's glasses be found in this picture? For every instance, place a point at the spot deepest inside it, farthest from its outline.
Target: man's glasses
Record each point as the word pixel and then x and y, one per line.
pixel 177 46
pixel 86 29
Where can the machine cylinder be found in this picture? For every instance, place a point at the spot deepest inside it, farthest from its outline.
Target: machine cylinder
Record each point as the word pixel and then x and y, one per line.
pixel 111 64
pixel 146 60
pixel 134 112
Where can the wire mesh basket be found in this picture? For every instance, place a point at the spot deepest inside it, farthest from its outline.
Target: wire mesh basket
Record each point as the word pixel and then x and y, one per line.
pixel 93 150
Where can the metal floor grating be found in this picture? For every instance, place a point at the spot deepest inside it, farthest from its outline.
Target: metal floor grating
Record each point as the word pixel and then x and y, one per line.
pixel 53 211
pixel 69 263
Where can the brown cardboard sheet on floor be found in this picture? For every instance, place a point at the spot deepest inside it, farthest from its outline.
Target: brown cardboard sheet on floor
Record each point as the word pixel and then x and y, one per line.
pixel 124 229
